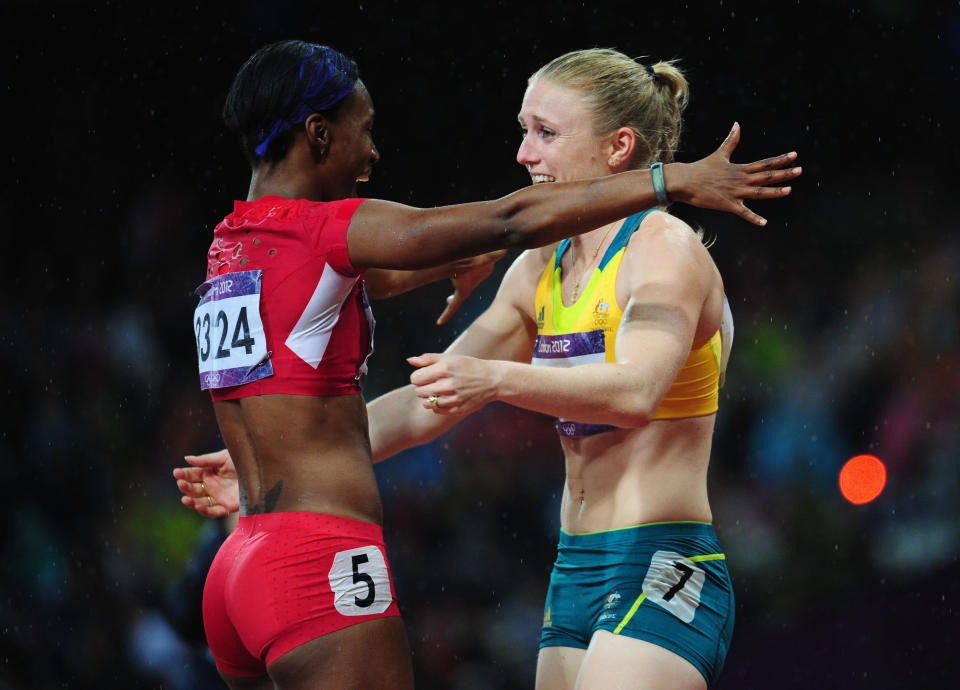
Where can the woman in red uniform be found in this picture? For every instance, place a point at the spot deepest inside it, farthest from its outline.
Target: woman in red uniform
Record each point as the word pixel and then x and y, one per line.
pixel 300 594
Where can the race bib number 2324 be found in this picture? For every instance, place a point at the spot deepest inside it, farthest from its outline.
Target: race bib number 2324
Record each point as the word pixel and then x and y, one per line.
pixel 231 344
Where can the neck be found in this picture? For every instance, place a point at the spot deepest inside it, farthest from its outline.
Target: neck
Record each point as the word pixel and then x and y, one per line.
pixel 295 176
pixel 272 180
pixel 585 248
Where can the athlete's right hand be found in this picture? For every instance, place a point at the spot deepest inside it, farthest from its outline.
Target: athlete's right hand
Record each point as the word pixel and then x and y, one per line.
pixel 209 485
pixel 714 182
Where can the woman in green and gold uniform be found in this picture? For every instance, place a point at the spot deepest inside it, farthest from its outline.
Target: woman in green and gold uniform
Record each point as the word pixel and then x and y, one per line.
pixel 620 334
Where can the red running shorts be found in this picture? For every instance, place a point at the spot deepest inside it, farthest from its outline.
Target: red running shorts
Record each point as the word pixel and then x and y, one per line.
pixel 283 579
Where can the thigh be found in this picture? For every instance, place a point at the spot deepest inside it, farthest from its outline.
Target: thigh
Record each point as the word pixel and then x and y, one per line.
pixel 614 661
pixel 558 667
pixel 373 654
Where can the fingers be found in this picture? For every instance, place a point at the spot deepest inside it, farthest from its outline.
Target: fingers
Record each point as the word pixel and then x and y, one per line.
pixel 207 460
pixel 193 489
pixel 482 259
pixel 428 399
pixel 188 474
pixel 453 303
pixel 197 496
pixel 730 143
pixel 766 192
pixel 425 359
pixel 204 508
pixel 756 190
pixel 425 375
pixel 773 177
pixel 771 163
pixel 750 216
pixel 437 402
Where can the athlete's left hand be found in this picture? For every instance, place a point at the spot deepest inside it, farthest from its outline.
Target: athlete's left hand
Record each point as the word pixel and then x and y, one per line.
pixel 466 275
pixel 210 485
pixel 462 384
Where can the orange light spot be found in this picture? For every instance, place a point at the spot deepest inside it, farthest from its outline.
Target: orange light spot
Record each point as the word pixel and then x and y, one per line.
pixel 862 478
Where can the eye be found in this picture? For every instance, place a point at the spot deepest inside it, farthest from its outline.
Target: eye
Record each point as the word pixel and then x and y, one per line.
pixel 546 133
pixel 523 132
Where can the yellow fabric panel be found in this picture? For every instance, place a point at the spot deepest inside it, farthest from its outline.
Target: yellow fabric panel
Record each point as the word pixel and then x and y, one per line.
pixel 695 391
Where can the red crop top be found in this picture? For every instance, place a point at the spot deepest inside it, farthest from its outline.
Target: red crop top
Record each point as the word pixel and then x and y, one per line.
pixel 316 320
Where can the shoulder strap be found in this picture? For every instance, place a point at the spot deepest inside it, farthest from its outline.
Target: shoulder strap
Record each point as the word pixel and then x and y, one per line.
pixel 629 227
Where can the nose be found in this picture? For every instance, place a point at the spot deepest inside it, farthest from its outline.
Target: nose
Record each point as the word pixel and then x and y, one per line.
pixel 525 154
pixel 374 155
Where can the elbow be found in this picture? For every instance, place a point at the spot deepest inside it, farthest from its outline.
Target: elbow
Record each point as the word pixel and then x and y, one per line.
pixel 633 413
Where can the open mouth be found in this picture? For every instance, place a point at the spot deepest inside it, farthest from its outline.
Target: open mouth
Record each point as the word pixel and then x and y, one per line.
pixel 365 177
pixel 540 179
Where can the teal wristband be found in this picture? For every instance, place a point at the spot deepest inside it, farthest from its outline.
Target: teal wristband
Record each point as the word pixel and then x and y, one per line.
pixel 659 186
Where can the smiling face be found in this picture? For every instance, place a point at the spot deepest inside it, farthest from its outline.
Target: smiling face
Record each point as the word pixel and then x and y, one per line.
pixel 559 143
pixel 352 153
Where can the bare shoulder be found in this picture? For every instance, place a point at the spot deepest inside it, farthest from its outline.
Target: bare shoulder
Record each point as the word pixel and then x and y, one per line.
pixel 665 246
pixel 661 233
pixel 667 257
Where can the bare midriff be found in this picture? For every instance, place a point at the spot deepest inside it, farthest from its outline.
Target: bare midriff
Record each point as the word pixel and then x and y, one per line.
pixel 627 477
pixel 302 453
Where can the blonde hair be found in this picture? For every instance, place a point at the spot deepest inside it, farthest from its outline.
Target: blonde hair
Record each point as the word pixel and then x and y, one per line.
pixel 622 92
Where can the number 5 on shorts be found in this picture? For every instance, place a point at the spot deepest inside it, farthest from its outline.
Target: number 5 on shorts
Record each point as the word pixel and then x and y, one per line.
pixel 360 582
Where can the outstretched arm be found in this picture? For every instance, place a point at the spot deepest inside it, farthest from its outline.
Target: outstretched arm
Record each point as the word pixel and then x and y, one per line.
pixel 505 331
pixel 465 275
pixel 389 235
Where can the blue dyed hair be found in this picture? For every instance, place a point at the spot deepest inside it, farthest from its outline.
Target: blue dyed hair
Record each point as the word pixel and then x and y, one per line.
pixel 279 87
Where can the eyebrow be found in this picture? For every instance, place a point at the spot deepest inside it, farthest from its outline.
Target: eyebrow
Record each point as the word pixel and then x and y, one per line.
pixel 536 118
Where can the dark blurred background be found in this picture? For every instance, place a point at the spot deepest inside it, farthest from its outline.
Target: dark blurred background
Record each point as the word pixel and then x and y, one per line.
pixel 847 311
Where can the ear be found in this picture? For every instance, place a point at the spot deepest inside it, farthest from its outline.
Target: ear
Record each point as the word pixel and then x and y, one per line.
pixel 620 149
pixel 317 129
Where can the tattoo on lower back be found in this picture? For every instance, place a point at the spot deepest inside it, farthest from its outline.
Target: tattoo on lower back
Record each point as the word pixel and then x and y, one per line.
pixel 269 500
